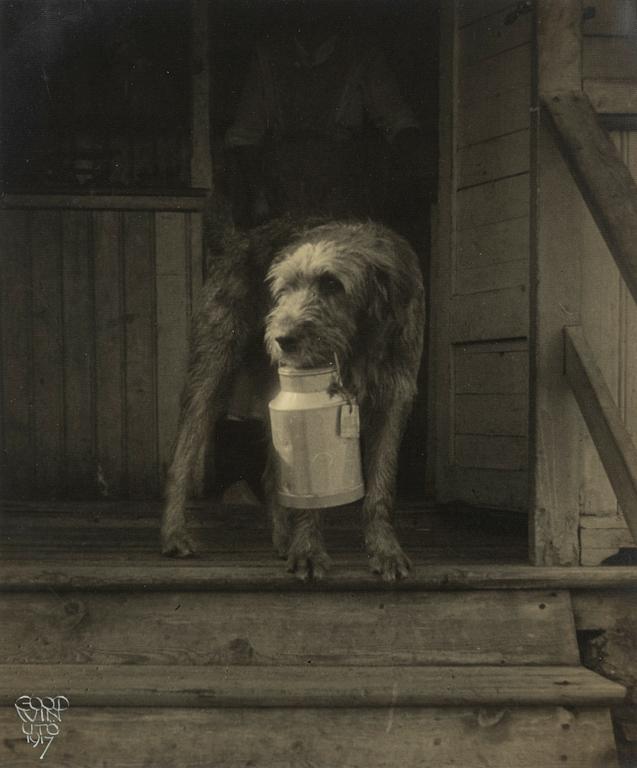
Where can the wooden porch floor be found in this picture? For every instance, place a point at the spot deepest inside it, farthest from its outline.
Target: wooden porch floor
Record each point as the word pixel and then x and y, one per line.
pixel 128 532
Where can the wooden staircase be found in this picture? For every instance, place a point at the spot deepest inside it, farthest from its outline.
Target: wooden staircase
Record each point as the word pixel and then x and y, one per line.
pixel 236 674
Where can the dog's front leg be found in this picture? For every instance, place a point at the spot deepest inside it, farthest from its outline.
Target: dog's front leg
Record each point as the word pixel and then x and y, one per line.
pixel 382 436
pixel 307 558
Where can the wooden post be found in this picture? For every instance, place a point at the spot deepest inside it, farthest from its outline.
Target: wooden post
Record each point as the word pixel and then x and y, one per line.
pixel 200 159
pixel 556 210
pixel 443 255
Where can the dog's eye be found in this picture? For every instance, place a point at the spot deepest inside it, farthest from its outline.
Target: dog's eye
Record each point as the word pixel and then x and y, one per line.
pixel 329 284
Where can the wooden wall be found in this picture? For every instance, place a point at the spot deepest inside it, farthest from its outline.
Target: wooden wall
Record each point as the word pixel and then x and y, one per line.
pixel 609 55
pixel 609 319
pixel 482 277
pixel 96 299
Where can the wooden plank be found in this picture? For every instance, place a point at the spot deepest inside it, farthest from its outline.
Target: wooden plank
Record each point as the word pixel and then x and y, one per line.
pixel 612 17
pixel 494 202
pixel 555 286
pixel 492 35
pixel 108 575
pixel 470 11
pixel 615 445
pixel 129 202
pixel 88 685
pixel 492 369
pixel 494 159
pixel 491 452
pixel 604 609
pixel 200 159
pixel 173 288
pixel 601 538
pixel 609 58
pixel 494 277
pixel 109 352
pixel 493 488
pixel 508 627
pixel 507 71
pixel 612 96
pixel 498 114
pixel 48 351
pixel 79 354
pixel 491 414
pixel 444 253
pixel 559 45
pixel 500 314
pixel 289 737
pixel 17 361
pixel 602 177
pixel 141 418
pixel 493 244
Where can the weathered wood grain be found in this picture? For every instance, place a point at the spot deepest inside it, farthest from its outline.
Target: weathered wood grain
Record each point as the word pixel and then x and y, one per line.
pixel 48 351
pixel 612 18
pixel 559 45
pixel 493 244
pixel 492 35
pixel 130 202
pixel 495 277
pixel 556 284
pixel 494 159
pixel 617 97
pixel 89 685
pixel 510 69
pixel 612 440
pixel 470 11
pixel 602 177
pixel 174 289
pixel 494 202
pixel 288 738
pixel 480 414
pixel 141 383
pixel 492 368
pixel 491 451
pixel 397 628
pixel 17 361
pixel 105 573
pixel 487 116
pixel 79 353
pixel 501 314
pixel 609 58
pixel 493 488
pixel 109 352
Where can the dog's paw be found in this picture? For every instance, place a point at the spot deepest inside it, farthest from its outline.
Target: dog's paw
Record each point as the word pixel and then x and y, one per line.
pixel 386 557
pixel 308 563
pixel 390 565
pixel 177 544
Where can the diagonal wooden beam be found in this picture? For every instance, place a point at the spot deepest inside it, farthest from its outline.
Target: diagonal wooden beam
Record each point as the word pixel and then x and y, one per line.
pixel 614 443
pixel 601 175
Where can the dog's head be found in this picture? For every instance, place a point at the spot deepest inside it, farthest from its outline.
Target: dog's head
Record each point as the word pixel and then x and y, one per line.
pixel 338 292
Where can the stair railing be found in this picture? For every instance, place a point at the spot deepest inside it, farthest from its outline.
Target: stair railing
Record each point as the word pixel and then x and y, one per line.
pixel 610 192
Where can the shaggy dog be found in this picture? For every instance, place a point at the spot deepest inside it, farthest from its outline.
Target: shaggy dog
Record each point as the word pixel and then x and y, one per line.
pixel 344 292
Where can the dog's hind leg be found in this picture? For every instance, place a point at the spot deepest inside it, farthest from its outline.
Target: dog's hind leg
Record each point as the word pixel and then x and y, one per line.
pixel 219 339
pixel 383 432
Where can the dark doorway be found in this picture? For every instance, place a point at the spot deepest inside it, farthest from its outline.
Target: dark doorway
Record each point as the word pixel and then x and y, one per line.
pixel 407 32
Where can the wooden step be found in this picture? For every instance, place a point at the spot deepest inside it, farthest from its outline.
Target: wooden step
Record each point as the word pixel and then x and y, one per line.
pixel 107 574
pixel 509 627
pixel 90 685
pixel 382 737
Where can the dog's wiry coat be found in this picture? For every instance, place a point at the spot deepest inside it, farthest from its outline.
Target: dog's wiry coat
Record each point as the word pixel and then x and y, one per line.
pixel 347 292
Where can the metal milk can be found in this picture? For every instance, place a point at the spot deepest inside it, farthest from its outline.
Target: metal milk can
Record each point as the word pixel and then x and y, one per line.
pixel 316 440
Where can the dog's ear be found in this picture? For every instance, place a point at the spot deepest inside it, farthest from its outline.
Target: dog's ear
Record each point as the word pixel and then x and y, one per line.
pixel 385 309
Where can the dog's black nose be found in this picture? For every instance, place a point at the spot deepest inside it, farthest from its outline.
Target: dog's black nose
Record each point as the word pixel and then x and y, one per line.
pixel 287 343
